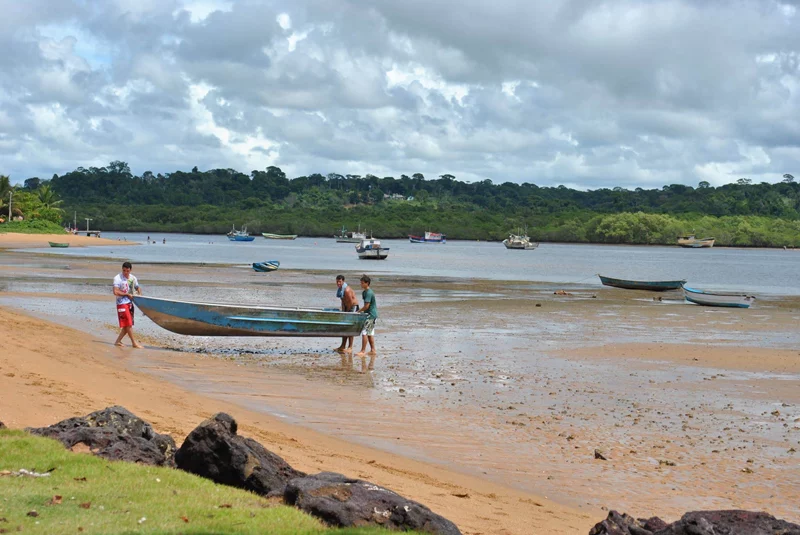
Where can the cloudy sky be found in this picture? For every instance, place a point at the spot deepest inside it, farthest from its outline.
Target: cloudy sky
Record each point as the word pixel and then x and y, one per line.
pixel 583 93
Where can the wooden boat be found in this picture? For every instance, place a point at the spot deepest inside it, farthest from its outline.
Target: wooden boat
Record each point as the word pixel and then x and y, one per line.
pixel 269 236
pixel 520 242
pixel 350 237
pixel 429 237
pixel 371 249
pixel 695 243
pixel 239 235
pixel 718 299
pixel 655 286
pixel 264 267
pixel 58 244
pixel 208 319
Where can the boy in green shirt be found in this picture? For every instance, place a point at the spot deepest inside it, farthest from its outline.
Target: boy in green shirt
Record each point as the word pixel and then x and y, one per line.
pixel 370 308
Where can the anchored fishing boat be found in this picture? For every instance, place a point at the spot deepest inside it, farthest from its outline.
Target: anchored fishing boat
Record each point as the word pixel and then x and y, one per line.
pixel 429 237
pixel 371 249
pixel 213 319
pixel 269 236
pixel 655 286
pixel 520 242
pixel 690 241
pixel 239 235
pixel 718 299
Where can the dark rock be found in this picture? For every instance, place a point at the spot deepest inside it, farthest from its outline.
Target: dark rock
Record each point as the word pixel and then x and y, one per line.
pixel 116 434
pixel 3 426
pixel 623 524
pixel 214 451
pixel 341 501
pixel 730 523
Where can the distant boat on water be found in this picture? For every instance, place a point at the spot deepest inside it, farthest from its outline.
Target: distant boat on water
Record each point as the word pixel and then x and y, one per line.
pixel 429 237
pixel 655 286
pixel 58 244
pixel 371 249
pixel 265 267
pixel 239 235
pixel 520 241
pixel 350 237
pixel 214 319
pixel 690 241
pixel 718 299
pixel 279 236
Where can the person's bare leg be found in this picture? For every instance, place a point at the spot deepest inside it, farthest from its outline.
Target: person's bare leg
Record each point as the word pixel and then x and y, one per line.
pixel 134 343
pixel 342 345
pixel 122 333
pixel 349 345
pixel 371 345
pixel 363 346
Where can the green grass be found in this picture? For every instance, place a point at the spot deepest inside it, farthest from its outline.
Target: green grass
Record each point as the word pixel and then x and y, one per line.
pixel 34 226
pixel 99 496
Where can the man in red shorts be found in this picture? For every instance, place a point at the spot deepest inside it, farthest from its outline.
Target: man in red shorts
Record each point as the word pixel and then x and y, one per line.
pixel 124 285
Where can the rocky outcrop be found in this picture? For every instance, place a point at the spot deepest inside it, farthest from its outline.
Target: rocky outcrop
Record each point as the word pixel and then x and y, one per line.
pixel 697 523
pixel 730 523
pixel 341 501
pixel 113 433
pixel 2 425
pixel 214 451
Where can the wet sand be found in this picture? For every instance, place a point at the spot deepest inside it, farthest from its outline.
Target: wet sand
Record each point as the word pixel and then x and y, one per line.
pixel 13 240
pixel 693 407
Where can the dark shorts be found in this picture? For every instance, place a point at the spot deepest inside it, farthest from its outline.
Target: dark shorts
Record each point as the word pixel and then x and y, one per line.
pixel 125 315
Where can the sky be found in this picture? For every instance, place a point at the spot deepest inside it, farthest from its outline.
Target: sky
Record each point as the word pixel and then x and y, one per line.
pixel 586 94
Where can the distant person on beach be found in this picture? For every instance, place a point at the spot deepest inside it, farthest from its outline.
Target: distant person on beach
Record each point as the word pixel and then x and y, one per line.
pixel 124 286
pixel 164 241
pixel 370 307
pixel 349 304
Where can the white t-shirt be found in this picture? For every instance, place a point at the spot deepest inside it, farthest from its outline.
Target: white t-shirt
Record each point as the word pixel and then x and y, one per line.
pixel 125 285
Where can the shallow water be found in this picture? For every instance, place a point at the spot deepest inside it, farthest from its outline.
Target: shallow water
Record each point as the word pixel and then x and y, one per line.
pixel 468 376
pixel 767 271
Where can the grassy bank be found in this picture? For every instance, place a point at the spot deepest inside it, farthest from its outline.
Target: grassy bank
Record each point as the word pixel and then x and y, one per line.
pixel 87 494
pixel 36 226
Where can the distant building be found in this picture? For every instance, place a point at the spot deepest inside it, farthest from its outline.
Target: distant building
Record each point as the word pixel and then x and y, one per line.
pixel 394 196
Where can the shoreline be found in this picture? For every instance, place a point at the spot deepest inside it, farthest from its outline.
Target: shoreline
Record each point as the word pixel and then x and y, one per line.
pixel 16 240
pixel 501 391
pixel 61 373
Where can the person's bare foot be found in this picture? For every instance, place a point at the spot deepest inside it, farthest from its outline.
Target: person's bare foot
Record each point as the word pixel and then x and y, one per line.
pixel 340 350
pixel 360 354
pixel 138 346
pixel 348 350
pixel 373 352
pixel 118 344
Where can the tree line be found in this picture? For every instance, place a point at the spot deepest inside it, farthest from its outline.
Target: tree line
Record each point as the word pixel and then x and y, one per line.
pixel 741 213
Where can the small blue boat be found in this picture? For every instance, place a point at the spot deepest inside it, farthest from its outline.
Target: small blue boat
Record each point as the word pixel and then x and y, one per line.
pixel 239 235
pixel 655 286
pixel 269 265
pixel 210 319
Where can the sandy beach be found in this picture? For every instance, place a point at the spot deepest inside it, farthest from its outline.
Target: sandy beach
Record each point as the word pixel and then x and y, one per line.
pixel 490 416
pixel 29 241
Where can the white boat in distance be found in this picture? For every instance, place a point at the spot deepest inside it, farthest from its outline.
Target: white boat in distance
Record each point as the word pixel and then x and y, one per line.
pixel 690 241
pixel 718 299
pixel 371 249
pixel 521 242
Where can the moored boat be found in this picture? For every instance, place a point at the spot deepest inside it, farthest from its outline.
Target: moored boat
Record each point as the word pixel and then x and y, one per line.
pixel 279 236
pixel 655 286
pixel 239 235
pixel 520 242
pixel 264 267
pixel 371 249
pixel 429 237
pixel 58 244
pixel 214 319
pixel 350 237
pixel 690 241
pixel 718 299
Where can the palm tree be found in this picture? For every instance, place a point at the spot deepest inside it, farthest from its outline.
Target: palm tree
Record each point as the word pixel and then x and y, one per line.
pixel 5 189
pixel 48 197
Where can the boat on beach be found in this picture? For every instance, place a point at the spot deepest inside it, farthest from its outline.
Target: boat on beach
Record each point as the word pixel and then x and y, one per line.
pixel 371 249
pixel 520 242
pixel 58 244
pixel 350 237
pixel 655 286
pixel 265 267
pixel 214 319
pixel 239 235
pixel 269 236
pixel 429 237
pixel 718 299
pixel 690 241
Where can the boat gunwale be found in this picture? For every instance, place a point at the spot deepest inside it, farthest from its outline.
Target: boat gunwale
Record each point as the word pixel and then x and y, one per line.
pixel 256 307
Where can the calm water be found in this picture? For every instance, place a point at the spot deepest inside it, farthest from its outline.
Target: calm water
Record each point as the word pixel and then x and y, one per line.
pixel 765 271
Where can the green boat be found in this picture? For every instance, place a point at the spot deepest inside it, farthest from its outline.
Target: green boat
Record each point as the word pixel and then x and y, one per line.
pixel 58 244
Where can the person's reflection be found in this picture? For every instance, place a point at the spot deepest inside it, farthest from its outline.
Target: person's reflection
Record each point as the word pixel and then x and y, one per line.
pixel 347 361
pixel 366 366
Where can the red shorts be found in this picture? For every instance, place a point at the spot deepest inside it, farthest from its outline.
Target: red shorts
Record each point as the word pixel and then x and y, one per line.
pixel 125 315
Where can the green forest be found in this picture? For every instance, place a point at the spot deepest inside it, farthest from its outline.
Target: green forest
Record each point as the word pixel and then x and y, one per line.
pixel 211 202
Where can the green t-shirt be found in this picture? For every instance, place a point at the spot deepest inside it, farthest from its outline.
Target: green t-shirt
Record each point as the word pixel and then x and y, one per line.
pixel 369 297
